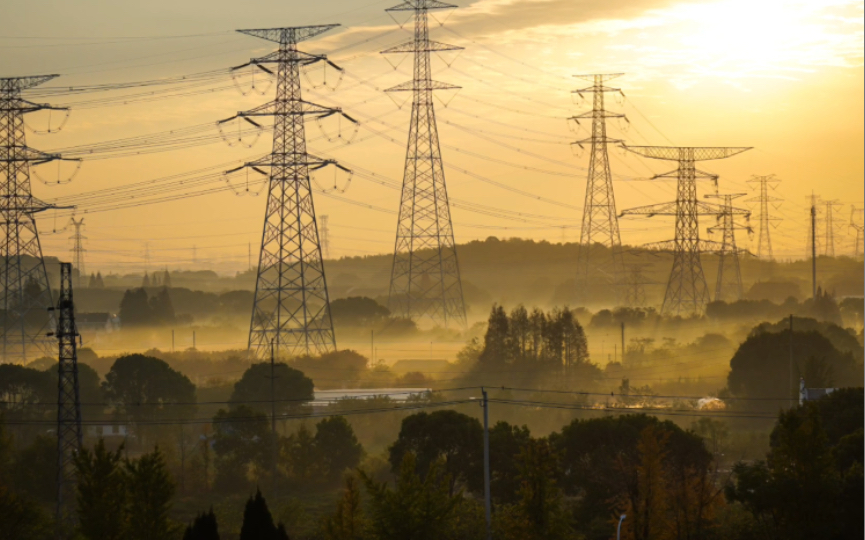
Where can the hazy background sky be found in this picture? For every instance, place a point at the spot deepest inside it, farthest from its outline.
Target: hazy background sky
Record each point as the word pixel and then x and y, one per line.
pixel 785 77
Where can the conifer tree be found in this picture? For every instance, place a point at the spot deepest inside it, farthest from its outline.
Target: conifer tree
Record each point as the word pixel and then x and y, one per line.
pixel 150 489
pixel 203 528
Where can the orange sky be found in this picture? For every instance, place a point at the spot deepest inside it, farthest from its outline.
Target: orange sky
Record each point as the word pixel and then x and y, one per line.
pixel 785 77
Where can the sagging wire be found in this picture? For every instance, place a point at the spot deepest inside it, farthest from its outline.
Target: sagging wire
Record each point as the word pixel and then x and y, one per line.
pixel 258 129
pixel 58 182
pixel 253 89
pixel 50 129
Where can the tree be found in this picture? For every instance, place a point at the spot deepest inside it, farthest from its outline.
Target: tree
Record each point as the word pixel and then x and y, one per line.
pixel 204 527
pixel 258 523
pixel 347 522
pixel 144 388
pixel 357 311
pixel 452 437
pixel 242 437
pixel 648 506
pixel 506 444
pixel 135 308
pixel 102 494
pixel 291 388
pixel 810 485
pixel 337 447
pixel 539 512
pixel 416 508
pixel 301 455
pixel 21 518
pixel 600 458
pixel 150 490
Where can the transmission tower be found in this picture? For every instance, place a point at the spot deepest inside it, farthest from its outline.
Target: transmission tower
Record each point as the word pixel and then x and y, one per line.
pixel 634 283
pixel 687 292
pixel 325 237
pixel 829 226
pixel 78 251
pixel 292 308
pixel 857 223
pixel 425 279
pixel 68 405
pixel 728 284
pixel 764 244
pixel 26 293
pixel 600 221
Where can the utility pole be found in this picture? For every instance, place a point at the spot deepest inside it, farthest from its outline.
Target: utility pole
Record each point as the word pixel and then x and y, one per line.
pixel 600 221
pixel 857 223
pixel 792 400
pixel 687 292
pixel 623 343
pixel 291 307
pixel 78 251
pixel 68 405
pixel 813 234
pixel 765 182
pixel 25 293
pixel 487 496
pixel 813 250
pixel 325 237
pixel 728 284
pixel 425 278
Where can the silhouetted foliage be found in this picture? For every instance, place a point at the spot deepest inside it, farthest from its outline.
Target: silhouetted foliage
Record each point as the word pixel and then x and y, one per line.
pixel 204 527
pixel 137 308
pixel 810 485
pixel 292 389
pixel 258 522
pixel 142 387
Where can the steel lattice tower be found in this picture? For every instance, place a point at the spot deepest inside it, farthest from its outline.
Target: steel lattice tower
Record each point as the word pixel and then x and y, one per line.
pixel 764 244
pixel 687 292
pixel 68 404
pixel 856 223
pixel 728 284
pixel 292 308
pixel 78 251
pixel 325 236
pixel 600 221
pixel 812 241
pixel 425 278
pixel 829 241
pixel 634 284
pixel 24 286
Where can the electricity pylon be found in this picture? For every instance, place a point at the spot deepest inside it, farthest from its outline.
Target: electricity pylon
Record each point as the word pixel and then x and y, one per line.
pixel 68 405
pixel 829 240
pixel 600 221
pixel 764 244
pixel 78 251
pixel 728 284
pixel 24 287
pixel 325 237
pixel 634 284
pixel 425 278
pixel 857 223
pixel 687 292
pixel 292 307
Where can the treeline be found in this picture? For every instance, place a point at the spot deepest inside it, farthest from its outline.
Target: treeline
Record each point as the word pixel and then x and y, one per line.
pixel 573 483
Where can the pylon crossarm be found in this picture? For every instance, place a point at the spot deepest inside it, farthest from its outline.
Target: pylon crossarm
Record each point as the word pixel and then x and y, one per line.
pixel 17 84
pixel 428 46
pixel 24 106
pixel 414 5
pixel 410 86
pixel 669 246
pixel 593 89
pixel 588 115
pixel 604 76
pixel 705 208
pixel 695 153
pixel 606 140
pixel 25 153
pixel 661 209
pixel 288 35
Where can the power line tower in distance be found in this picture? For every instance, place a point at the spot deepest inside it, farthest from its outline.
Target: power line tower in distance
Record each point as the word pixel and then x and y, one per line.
pixel 857 223
pixel 634 284
pixel 765 183
pixel 600 223
pixel 829 227
pixel 325 237
pixel 425 278
pixel 687 292
pixel 728 283
pixel 24 286
pixel 812 240
pixel 291 307
pixel 68 405
pixel 78 251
